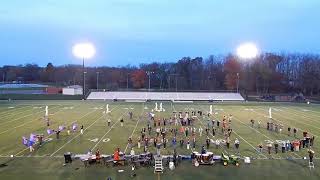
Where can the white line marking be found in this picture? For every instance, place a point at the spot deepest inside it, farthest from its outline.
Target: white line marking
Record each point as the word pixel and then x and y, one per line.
pixel 255 129
pixel 135 127
pixel 20 117
pixel 52 134
pixel 18 111
pixel 108 131
pixel 76 136
pixel 296 121
pixel 294 112
pixel 24 123
pixel 8 113
pixel 281 121
pixel 239 137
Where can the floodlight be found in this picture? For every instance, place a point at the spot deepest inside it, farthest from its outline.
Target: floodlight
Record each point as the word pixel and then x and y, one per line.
pixel 247 51
pixel 84 50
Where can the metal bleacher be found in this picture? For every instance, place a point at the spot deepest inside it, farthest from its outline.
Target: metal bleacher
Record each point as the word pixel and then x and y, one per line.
pixel 166 96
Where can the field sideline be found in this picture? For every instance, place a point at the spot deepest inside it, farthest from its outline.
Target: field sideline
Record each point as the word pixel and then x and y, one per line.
pixel 20 118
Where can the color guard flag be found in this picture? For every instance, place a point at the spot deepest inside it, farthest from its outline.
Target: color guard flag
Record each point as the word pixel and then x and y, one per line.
pixel 32 139
pixel 74 127
pixel 49 131
pixel 61 128
pixel 24 141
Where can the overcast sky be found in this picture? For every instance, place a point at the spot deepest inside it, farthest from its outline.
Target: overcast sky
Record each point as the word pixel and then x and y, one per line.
pixel 139 31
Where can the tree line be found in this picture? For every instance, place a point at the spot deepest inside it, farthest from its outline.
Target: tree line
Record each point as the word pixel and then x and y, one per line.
pixel 267 73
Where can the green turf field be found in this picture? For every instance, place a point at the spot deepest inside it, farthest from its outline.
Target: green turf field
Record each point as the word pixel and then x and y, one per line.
pixel 20 118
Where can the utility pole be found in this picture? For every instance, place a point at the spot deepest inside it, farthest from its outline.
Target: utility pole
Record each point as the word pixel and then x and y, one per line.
pixel 149 74
pixel 169 82
pixel 176 80
pixel 97 80
pixel 128 81
pixel 176 83
pixel 84 83
pixel 238 82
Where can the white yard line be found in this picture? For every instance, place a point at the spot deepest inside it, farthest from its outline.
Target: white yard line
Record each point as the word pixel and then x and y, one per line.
pixel 294 120
pixel 256 130
pixel 52 134
pixel 234 117
pixel 299 109
pixel 191 149
pixel 77 135
pixel 34 156
pixel 172 106
pixel 109 130
pixel 25 123
pixel 249 144
pixel 44 104
pixel 20 117
pixel 135 127
pixel 294 112
pixel 265 115
pixel 8 112
pixel 244 140
pixel 19 112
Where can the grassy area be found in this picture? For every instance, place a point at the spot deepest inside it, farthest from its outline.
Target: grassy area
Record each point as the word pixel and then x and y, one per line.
pixel 20 118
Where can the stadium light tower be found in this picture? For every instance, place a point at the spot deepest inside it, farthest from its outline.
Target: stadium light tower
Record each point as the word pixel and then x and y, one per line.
pixel 97 79
pixel 238 79
pixel 128 81
pixel 246 52
pixel 149 74
pixel 176 75
pixel 83 51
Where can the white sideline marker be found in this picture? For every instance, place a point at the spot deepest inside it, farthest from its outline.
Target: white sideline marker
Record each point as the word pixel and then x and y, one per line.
pixel 47 111
pixel 270 113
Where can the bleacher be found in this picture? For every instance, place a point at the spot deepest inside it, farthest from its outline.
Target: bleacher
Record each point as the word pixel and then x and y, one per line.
pixel 166 96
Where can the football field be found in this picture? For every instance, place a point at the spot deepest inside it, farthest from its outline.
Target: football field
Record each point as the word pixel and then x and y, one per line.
pixel 20 118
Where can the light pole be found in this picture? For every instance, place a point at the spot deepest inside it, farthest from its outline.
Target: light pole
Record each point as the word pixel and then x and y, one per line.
pixel 97 80
pixel 84 84
pixel 238 78
pixel 83 80
pixel 128 81
pixel 169 83
pixel 176 83
pixel 211 84
pixel 149 74
pixel 176 80
pixel 246 52
pixel 83 51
